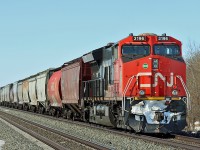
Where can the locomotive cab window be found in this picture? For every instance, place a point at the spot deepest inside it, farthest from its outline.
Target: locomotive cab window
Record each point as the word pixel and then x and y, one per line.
pixel 167 50
pixel 136 50
pixel 130 52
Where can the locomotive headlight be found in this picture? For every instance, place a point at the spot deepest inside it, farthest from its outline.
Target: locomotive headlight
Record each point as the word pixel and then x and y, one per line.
pixel 142 92
pixel 155 63
pixel 175 92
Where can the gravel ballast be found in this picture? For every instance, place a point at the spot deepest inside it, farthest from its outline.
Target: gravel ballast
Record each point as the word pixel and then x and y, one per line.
pixel 16 140
pixel 110 139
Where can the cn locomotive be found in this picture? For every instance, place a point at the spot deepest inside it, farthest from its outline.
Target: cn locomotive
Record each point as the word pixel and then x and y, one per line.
pixel 137 83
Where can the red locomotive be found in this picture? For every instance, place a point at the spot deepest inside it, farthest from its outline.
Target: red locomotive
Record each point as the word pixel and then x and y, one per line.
pixel 137 83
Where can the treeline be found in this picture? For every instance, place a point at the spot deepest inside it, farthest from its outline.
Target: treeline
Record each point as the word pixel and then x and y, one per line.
pixel 193 83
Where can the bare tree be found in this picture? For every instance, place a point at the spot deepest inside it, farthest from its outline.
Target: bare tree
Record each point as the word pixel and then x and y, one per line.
pixel 193 82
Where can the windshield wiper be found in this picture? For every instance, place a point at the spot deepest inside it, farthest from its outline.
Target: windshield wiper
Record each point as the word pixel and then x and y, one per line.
pixel 145 48
pixel 143 45
pixel 127 57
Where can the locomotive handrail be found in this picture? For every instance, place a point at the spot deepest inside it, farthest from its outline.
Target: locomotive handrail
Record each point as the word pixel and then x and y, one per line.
pixel 124 93
pixel 187 92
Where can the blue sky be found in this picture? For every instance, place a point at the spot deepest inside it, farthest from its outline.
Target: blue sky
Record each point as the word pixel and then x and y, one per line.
pixel 39 34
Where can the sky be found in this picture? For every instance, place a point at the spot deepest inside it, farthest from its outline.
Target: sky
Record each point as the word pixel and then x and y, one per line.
pixel 39 34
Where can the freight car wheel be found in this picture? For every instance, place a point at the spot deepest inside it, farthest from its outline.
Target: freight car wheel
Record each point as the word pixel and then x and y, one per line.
pixel 20 107
pixel 33 109
pixel 53 112
pixel 41 110
pixel 65 114
pixel 69 114
pixel 73 116
pixel 50 112
pixel 58 114
pixel 26 108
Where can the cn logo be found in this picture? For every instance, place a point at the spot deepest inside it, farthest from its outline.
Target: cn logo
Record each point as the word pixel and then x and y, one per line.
pixel 156 76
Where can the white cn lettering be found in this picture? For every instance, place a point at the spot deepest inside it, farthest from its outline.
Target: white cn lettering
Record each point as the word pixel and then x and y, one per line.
pixel 156 76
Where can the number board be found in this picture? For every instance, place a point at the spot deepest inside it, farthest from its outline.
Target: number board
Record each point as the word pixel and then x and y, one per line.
pixel 139 38
pixel 163 38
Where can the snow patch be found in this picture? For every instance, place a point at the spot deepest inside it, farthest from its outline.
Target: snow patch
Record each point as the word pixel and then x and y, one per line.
pixel 149 109
pixel 197 126
pixel 197 123
pixel 1 144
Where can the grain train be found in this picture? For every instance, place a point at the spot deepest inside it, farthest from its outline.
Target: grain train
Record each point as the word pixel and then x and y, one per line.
pixel 137 83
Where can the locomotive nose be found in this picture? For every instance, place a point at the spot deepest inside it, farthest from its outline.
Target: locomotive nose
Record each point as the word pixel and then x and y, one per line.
pixel 156 78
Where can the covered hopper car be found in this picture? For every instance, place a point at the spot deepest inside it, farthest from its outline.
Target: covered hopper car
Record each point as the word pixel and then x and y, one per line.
pixel 137 83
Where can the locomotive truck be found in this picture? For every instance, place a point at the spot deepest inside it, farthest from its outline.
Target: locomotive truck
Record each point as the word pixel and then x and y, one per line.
pixel 137 83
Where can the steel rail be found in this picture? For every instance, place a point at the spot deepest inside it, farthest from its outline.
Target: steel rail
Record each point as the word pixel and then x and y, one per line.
pixel 35 135
pixel 49 142
pixel 187 138
pixel 167 142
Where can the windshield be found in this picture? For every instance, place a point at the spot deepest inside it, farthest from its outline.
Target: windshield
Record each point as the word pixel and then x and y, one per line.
pixel 135 50
pixel 167 50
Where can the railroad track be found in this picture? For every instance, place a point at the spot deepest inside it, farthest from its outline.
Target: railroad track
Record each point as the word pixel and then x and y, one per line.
pixel 191 140
pixel 49 136
pixel 177 141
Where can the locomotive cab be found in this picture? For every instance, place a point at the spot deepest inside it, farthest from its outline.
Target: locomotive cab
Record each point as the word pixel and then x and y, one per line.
pixel 153 77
